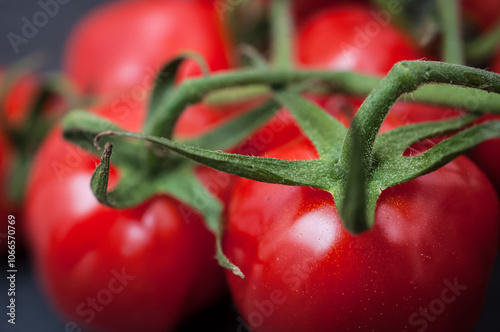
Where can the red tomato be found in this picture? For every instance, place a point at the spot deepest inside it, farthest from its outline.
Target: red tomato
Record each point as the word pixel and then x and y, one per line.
pixel 424 265
pixel 122 45
pixel 483 13
pixel 353 37
pixel 141 268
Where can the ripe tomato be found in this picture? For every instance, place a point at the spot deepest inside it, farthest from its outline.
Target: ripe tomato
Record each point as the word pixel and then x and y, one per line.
pixel 353 37
pixel 122 45
pixel 141 268
pixel 424 265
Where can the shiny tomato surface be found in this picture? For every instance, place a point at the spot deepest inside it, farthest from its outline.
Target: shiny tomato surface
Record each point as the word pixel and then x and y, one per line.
pixel 423 266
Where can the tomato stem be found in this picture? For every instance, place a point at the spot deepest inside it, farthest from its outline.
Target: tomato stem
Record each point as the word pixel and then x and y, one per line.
pixel 255 59
pixel 193 91
pixel 484 46
pixel 230 96
pixel 406 77
pixel 350 167
pixel 99 181
pixel 453 47
pixel 281 34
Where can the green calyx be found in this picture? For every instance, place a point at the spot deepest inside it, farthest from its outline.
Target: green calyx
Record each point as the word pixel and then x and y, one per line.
pixel 148 172
pixel 355 164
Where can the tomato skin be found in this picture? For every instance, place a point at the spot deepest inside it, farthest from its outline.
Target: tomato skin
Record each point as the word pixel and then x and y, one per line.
pixel 352 38
pixel 304 271
pixel 122 45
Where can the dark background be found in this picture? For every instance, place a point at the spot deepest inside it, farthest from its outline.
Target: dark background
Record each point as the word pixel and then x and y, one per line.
pixel 33 312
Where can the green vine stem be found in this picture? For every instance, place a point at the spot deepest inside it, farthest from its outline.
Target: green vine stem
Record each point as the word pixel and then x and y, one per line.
pixel 281 34
pixel 406 77
pixel 192 91
pixel 484 46
pixel 173 175
pixel 234 95
pixel 449 13
pixel 397 11
pixel 346 167
pixel 356 202
pixel 253 56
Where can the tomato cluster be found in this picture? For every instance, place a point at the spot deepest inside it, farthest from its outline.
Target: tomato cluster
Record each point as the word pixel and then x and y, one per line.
pixel 424 265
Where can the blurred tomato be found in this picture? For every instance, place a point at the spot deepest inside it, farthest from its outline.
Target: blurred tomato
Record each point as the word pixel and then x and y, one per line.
pixel 353 37
pixel 122 45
